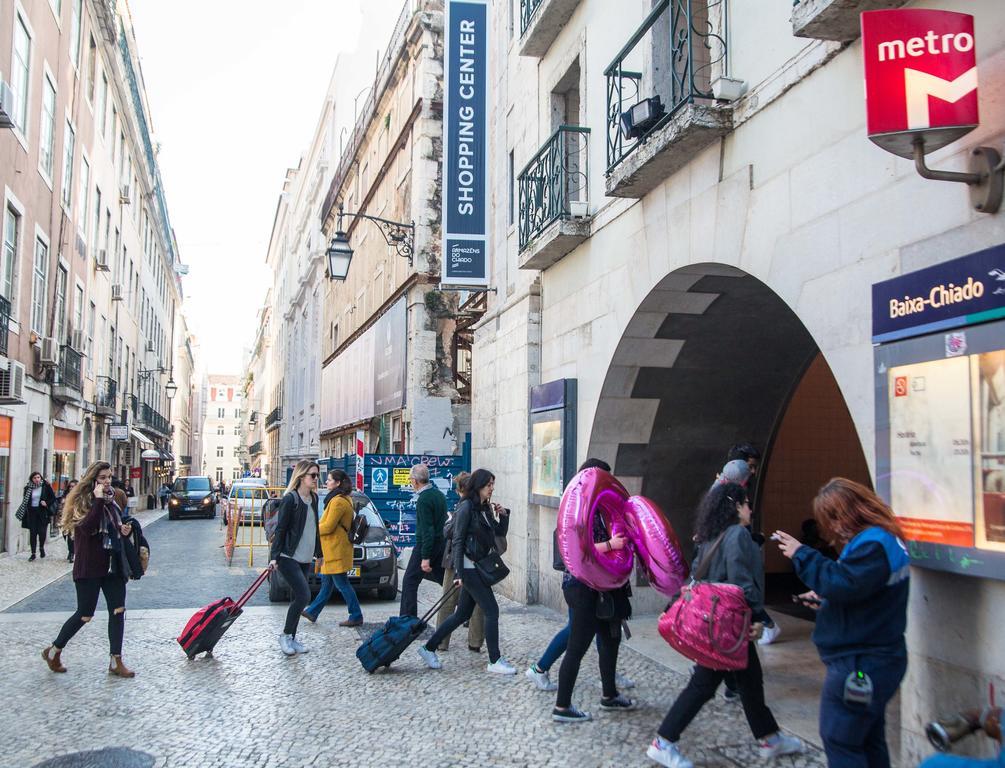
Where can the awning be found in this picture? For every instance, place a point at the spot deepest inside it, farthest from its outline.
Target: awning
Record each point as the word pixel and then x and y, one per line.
pixel 166 456
pixel 141 437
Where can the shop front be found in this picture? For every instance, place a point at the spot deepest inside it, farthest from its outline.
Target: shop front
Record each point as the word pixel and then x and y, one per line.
pixel 64 458
pixel 5 512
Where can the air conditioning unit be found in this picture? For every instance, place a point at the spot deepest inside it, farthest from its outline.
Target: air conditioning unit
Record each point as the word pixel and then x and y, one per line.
pixel 6 105
pixel 50 352
pixel 150 346
pixel 117 292
pixel 124 195
pixel 101 261
pixel 78 341
pixel 12 383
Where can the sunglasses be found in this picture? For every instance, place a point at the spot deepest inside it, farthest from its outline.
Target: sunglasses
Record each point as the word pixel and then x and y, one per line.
pixel 312 474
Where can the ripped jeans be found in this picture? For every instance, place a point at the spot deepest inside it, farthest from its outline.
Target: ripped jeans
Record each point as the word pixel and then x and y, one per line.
pixel 114 588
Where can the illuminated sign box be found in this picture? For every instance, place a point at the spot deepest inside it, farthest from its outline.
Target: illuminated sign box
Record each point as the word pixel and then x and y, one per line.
pixel 920 77
pixel 552 440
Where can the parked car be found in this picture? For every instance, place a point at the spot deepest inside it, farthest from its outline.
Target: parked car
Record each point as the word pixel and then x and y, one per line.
pixel 247 499
pixel 374 562
pixel 191 496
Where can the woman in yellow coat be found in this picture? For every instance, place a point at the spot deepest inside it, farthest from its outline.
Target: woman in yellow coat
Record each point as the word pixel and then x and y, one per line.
pixel 336 550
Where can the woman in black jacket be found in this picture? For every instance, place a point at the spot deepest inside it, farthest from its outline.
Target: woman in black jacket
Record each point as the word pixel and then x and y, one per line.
pixel 732 558
pixel 39 506
pixel 475 531
pixel 295 545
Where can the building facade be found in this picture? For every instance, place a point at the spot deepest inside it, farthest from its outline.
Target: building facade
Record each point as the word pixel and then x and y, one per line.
pixel 221 429
pixel 257 385
pixel 90 283
pixel 183 405
pixel 703 274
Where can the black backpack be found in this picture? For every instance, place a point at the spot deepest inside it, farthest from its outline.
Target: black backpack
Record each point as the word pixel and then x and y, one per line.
pixel 358 529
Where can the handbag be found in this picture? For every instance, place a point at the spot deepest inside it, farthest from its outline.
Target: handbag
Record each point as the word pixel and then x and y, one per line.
pixel 21 510
pixel 709 622
pixel 491 568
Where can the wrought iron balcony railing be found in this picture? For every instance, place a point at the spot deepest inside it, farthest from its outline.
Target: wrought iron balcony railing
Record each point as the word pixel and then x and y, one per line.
pixel 527 10
pixel 153 419
pixel 185 460
pixel 255 448
pixel 667 64
pixel 554 184
pixel 105 390
pixel 68 371
pixel 274 417
pixel 4 324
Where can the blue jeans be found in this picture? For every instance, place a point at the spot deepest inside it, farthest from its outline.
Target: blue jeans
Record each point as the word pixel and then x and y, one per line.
pixel 854 736
pixel 556 647
pixel 329 583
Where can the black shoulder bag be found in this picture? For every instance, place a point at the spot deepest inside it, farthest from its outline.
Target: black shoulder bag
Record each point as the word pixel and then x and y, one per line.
pixel 490 566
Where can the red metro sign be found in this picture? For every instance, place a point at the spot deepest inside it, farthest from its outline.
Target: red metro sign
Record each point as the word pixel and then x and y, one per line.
pixel 920 77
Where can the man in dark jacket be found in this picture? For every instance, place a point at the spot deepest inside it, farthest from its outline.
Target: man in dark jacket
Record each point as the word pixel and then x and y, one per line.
pixel 427 554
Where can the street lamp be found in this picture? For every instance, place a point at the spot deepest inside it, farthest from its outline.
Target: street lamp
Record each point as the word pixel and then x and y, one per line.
pixel 170 389
pixel 397 235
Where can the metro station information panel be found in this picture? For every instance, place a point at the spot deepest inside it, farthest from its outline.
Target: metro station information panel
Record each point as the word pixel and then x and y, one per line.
pixel 940 417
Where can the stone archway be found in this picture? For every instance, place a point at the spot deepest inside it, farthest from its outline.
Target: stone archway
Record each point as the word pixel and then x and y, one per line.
pixel 712 357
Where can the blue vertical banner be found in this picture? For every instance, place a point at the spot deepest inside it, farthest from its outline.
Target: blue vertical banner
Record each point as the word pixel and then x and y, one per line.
pixel 465 145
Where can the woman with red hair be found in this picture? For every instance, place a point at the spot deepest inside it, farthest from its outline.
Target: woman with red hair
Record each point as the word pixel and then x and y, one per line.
pixel 862 604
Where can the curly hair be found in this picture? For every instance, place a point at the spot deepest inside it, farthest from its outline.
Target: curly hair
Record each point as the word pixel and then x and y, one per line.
pixel 719 510
pixel 78 501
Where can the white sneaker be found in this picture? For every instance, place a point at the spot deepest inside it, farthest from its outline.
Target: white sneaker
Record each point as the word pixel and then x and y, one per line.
pixel 666 753
pixel 430 657
pixel 780 744
pixel 298 646
pixel 540 679
pixel 502 667
pixel 286 645
pixel 769 635
pixel 623 682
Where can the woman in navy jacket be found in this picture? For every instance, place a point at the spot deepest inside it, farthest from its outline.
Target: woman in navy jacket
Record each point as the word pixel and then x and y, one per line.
pixel 862 603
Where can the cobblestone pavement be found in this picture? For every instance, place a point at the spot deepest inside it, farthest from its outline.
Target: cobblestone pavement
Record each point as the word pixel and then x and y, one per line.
pixel 20 578
pixel 251 706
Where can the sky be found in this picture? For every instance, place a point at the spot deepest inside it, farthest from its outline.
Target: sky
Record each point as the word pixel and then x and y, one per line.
pixel 235 88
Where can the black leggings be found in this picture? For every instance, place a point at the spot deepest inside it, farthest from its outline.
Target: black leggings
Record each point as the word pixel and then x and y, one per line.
pixel 583 627
pixel 473 591
pixel 300 592
pixel 114 589
pixel 702 686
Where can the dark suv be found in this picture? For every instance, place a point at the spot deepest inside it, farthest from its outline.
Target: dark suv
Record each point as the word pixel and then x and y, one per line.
pixel 374 562
pixel 191 497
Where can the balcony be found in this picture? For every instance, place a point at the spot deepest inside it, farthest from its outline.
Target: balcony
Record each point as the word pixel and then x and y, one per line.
pixel 834 19
pixel 4 325
pixel 273 419
pixel 184 461
pixel 152 420
pixel 66 381
pixel 255 449
pixel 554 198
pixel 105 389
pixel 540 23
pixel 660 107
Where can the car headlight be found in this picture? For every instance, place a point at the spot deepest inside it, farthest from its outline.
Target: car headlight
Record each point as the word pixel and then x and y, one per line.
pixel 377 553
pixel 173 502
pixel 208 500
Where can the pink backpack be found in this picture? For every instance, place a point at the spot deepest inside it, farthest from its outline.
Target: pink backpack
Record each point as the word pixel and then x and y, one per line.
pixel 709 623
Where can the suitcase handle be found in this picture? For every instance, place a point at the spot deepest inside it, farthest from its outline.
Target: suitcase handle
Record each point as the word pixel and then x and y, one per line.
pixel 253 588
pixel 439 603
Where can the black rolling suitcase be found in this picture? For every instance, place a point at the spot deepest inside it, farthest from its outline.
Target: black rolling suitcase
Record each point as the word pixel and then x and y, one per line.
pixel 208 625
pixel 390 641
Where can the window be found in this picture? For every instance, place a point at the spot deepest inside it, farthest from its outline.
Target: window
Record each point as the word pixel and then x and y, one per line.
pixel 102 106
pixel 512 185
pixel 83 196
pixel 91 311
pixel 69 139
pixel 78 309
pixel 237 473
pixel 221 413
pixel 20 74
pixel 219 430
pixel 219 474
pixel 60 308
pixel 92 67
pixel 39 278
pixel 219 451
pixel 237 413
pixel 47 131
pixel 57 6
pixel 78 9
pixel 237 430
pixel 97 221
pixel 11 240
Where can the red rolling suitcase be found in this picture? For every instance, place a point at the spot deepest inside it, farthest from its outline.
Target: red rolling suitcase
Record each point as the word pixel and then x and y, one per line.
pixel 207 626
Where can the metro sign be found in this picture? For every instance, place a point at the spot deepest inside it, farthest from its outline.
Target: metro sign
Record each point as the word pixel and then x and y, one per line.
pixel 920 78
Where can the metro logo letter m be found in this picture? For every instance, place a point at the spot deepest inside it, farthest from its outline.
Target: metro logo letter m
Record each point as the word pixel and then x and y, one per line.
pixel 918 86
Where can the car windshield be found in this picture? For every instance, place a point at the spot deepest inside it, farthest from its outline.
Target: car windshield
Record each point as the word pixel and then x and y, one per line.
pixel 191 484
pixel 248 493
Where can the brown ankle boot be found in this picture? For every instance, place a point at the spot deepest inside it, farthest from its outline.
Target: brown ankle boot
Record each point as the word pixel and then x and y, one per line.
pixel 116 667
pixel 53 660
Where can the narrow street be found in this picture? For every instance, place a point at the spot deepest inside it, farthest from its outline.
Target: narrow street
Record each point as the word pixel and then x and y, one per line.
pixel 251 706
